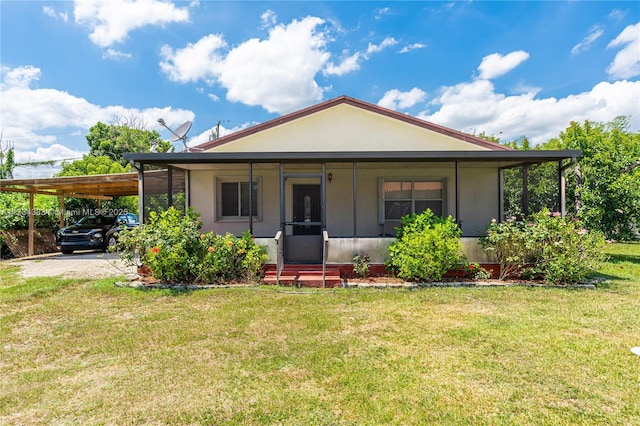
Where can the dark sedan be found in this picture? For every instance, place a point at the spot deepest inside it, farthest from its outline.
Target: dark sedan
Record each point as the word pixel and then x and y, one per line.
pixel 94 232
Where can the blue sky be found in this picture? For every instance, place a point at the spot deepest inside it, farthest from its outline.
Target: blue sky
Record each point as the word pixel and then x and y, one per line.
pixel 510 69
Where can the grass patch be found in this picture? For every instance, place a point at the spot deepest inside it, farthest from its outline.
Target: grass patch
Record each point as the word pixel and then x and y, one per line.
pixel 86 352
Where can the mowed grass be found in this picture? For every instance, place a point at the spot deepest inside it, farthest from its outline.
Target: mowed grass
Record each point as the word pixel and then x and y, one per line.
pixel 87 352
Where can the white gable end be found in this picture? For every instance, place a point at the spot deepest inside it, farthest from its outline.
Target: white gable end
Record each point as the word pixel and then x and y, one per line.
pixel 345 128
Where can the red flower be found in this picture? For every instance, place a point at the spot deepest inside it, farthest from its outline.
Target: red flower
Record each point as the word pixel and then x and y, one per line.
pixel 155 250
pixel 470 267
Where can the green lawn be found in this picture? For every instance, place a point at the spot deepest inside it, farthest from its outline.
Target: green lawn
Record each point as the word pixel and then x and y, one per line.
pixel 87 352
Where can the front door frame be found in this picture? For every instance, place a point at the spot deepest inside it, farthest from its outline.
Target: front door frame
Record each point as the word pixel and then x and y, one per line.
pixel 283 202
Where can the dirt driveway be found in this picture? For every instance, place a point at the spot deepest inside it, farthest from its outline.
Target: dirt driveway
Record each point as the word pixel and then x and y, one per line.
pixel 77 265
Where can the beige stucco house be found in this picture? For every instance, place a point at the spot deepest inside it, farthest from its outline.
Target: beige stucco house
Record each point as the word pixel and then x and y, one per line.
pixel 334 179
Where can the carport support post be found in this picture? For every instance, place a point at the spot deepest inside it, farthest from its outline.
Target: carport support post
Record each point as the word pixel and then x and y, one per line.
pixel 61 211
pixel 31 227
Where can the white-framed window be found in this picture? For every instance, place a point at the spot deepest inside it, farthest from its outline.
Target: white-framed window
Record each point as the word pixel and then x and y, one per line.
pixel 233 198
pixel 402 196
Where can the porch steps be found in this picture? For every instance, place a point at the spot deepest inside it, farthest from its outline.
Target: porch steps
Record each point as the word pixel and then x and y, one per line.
pixel 304 276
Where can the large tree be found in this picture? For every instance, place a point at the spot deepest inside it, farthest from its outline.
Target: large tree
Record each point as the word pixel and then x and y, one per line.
pixel 605 187
pixel 114 140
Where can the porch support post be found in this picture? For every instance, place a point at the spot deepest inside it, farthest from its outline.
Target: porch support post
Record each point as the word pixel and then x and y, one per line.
pixel 323 196
pixel 61 211
pixel 500 194
pixel 561 190
pixel 251 197
pixel 458 216
pixel 355 202
pixel 169 186
pixel 525 190
pixel 31 226
pixel 282 205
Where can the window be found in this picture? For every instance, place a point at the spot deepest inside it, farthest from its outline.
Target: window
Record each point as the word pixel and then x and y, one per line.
pixel 406 196
pixel 233 199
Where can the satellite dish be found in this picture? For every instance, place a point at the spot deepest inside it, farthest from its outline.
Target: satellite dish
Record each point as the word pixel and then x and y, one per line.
pixel 181 131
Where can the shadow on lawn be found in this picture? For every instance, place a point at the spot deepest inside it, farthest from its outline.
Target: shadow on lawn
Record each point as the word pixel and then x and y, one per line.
pixel 620 258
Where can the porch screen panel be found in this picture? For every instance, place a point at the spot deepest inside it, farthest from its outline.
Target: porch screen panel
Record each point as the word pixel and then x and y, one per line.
pixel 234 197
pixel 156 196
pixel 229 198
pixel 244 199
pixel 178 188
pixel 412 196
pixel 397 200
pixel 428 195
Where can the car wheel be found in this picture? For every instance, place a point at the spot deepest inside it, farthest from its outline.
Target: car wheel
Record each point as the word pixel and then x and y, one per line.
pixel 66 251
pixel 111 243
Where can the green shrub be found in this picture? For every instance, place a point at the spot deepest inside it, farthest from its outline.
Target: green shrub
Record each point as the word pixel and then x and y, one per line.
pixel 426 247
pixel 511 245
pixel 549 247
pixel 361 265
pixel 175 250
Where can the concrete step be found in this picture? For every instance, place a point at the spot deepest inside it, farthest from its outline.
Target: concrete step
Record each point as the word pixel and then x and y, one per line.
pixel 304 276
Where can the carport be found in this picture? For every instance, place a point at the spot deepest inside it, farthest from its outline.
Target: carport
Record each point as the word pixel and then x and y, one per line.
pixel 97 187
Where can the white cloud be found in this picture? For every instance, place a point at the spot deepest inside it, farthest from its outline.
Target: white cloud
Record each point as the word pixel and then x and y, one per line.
pixel 21 77
pixel 626 63
pixel 51 12
pixel 197 61
pixel 617 14
pixel 380 13
pixel 111 21
pixel 277 73
pixel 476 107
pixel 37 119
pixel 115 54
pixel 595 33
pixel 352 63
pixel 411 47
pixel 397 100
pixel 495 65
pixel 268 18
pixel 349 64
pixel 213 97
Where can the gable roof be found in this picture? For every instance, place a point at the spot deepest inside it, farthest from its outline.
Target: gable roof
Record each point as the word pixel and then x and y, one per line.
pixel 342 105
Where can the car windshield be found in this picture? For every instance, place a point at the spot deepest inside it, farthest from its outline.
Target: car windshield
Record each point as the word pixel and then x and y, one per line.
pixel 96 220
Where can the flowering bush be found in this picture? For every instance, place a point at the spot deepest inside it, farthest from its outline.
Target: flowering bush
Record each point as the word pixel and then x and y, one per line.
pixel 548 247
pixel 175 250
pixel 426 247
pixel 477 272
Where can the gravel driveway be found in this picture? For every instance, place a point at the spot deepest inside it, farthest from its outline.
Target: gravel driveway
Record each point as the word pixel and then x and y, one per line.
pixel 77 265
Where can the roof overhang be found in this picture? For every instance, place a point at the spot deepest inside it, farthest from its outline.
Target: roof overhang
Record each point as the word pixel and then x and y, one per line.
pixel 102 187
pixel 504 158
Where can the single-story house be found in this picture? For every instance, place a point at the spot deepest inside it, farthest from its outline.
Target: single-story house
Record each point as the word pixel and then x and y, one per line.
pixel 335 178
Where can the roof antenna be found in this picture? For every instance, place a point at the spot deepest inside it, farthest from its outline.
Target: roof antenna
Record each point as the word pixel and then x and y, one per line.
pixel 180 133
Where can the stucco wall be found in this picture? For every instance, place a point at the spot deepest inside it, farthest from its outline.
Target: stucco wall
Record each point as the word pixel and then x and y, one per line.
pixel 479 199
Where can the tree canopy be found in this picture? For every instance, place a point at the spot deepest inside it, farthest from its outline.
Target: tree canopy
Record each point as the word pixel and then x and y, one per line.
pixel 603 189
pixel 90 165
pixel 114 140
